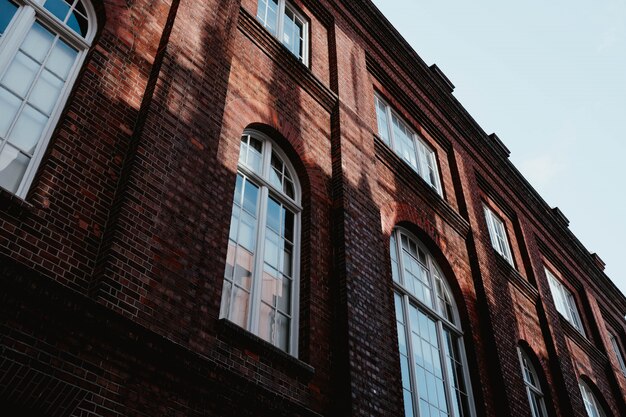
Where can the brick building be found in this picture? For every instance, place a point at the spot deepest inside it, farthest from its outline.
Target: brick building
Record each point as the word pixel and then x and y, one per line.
pixel 274 207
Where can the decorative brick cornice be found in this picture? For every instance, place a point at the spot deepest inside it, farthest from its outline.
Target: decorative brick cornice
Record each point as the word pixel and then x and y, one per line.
pixel 298 72
pixel 380 35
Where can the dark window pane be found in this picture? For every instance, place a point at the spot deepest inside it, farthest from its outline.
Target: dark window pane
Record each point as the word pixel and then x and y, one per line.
pixel 7 10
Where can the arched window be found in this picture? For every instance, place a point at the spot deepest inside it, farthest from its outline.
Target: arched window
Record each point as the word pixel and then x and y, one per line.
pixel 533 387
pixel 432 355
pixel 260 290
pixel 592 405
pixel 42 46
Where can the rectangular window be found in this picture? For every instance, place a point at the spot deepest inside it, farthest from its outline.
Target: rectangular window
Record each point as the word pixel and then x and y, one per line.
pixel 618 353
pixel 497 234
pixel 407 144
pixel 283 21
pixel 564 301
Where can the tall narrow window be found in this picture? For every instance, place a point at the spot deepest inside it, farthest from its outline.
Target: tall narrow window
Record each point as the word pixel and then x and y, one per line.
pixel 592 406
pixel 497 234
pixel 618 353
pixel 430 340
pixel 533 387
pixel 42 45
pixel 283 21
pixel 407 144
pixel 564 301
pixel 260 290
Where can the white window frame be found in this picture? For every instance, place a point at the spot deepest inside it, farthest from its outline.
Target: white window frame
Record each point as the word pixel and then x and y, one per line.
pixel 618 352
pixel 565 301
pixel 537 408
pixel 442 323
pixel 28 12
pixel 424 153
pixel 498 235
pixel 592 406
pixel 284 5
pixel 261 180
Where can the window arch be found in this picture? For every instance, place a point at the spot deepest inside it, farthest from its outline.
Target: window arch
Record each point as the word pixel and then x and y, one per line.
pixel 592 405
pixel 432 356
pixel 42 46
pixel 261 280
pixel 533 386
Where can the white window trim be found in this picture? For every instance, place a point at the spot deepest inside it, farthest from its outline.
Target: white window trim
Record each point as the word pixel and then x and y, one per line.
pixel 441 322
pixel 294 205
pixel 280 24
pixel 565 301
pixel 618 352
pixel 590 400
pixel 418 141
pixel 530 388
pixel 493 223
pixel 29 11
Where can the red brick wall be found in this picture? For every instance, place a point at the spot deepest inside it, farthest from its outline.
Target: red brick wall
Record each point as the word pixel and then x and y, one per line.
pixel 112 267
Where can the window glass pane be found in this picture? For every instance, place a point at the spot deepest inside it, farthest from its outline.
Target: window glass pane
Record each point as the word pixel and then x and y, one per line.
pixel 58 8
pixel 267 13
pixel 9 105
pixel 434 362
pixel 37 43
pixel 61 59
pixel 618 353
pixel 427 361
pixel 27 129
pixel 293 29
pixel 404 144
pixel 564 301
pixel 243 269
pixel 46 92
pixel 383 123
pixel 281 337
pixel 239 306
pixel 13 164
pixel 7 10
pixel 592 405
pixel 20 74
pixel 456 373
pixel 395 273
pixel 78 23
pixel 250 153
pixel 270 288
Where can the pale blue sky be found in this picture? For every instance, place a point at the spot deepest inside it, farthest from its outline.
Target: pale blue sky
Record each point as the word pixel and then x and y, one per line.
pixel 549 77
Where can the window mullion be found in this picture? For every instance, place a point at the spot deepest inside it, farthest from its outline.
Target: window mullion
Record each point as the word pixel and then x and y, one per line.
pixel 392 140
pixel 280 25
pixel 14 35
pixel 418 160
pixel 409 344
pixel 255 293
pixel 444 368
pixel 295 293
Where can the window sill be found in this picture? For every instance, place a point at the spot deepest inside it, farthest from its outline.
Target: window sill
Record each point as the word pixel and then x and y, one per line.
pixel 261 349
pixel 517 279
pixel 577 337
pixel 410 178
pixel 14 205
pixel 300 73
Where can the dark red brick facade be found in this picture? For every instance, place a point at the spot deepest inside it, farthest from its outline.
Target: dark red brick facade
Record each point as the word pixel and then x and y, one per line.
pixel 111 268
